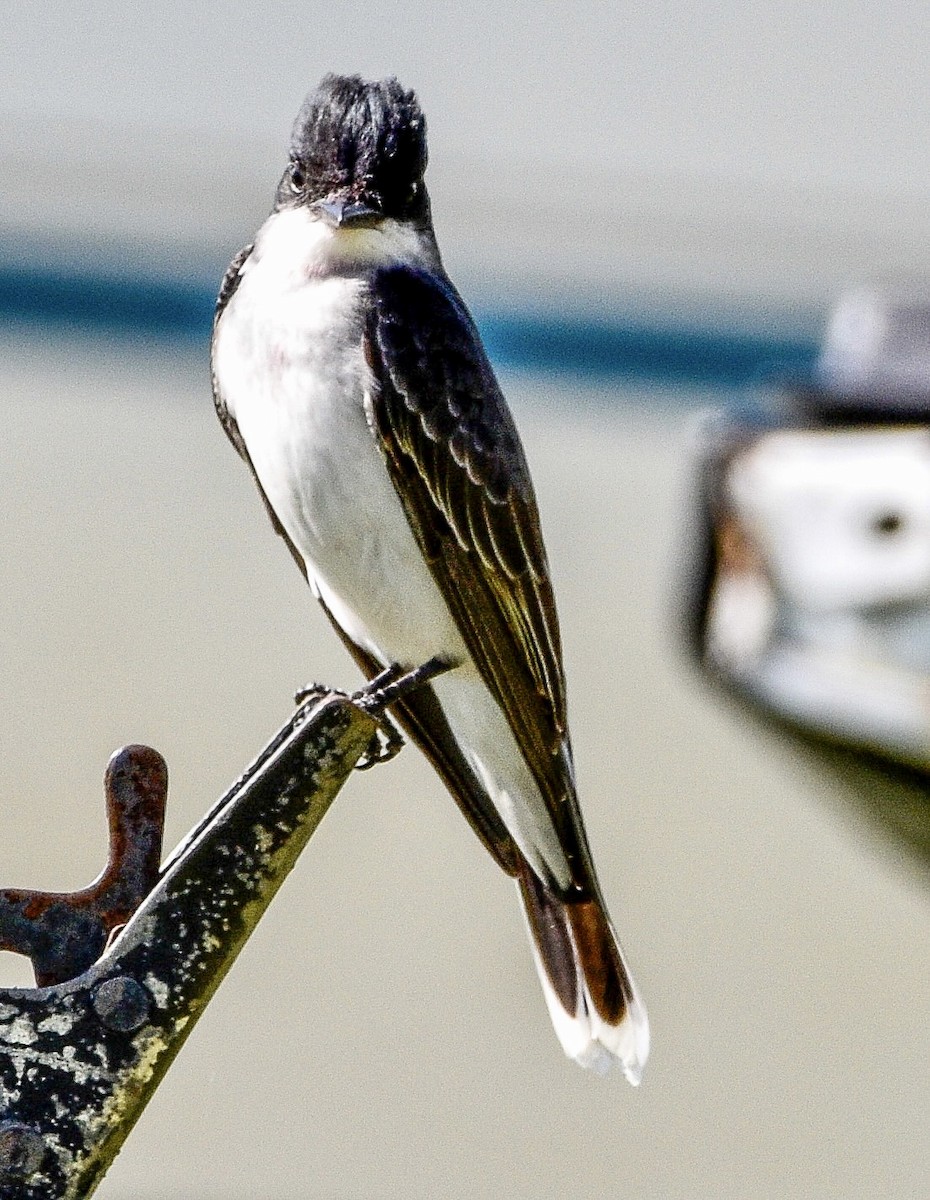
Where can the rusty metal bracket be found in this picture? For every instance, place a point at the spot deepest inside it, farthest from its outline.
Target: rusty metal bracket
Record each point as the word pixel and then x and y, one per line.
pixel 64 933
pixel 79 1059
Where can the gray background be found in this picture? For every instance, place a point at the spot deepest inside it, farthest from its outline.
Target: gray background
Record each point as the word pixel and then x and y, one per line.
pixel 711 153
pixel 383 1034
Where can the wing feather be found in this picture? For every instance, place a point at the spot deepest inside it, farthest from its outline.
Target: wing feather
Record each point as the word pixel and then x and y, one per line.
pixel 458 466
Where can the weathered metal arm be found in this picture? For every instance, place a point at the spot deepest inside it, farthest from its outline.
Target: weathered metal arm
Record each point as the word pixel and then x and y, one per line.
pixel 79 1060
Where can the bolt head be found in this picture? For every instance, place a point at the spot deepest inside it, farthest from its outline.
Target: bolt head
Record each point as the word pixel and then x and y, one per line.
pixel 122 1004
pixel 22 1151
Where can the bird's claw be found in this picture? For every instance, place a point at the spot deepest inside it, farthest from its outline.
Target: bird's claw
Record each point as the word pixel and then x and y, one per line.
pixel 312 691
pixel 392 683
pixel 388 741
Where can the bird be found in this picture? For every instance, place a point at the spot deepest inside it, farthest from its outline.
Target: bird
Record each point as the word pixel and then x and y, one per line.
pixel 352 380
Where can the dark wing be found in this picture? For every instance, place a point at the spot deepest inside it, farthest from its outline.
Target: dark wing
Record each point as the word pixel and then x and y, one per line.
pixel 228 288
pixel 457 464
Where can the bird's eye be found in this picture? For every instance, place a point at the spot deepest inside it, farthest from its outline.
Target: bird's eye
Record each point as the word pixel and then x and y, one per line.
pixel 297 178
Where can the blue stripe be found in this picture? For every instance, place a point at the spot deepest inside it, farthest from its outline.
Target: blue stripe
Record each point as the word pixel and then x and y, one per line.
pixel 151 307
pixel 181 310
pixel 604 349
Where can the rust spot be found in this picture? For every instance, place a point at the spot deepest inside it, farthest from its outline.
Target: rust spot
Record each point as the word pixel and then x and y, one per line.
pixel 35 904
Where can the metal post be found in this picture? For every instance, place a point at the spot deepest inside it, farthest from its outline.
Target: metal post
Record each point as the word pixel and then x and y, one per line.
pixel 79 1060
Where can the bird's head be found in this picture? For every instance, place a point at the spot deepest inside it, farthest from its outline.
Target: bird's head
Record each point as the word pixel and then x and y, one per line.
pixel 358 155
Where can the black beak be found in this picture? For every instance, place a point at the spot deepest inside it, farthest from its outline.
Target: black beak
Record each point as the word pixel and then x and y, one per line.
pixel 349 214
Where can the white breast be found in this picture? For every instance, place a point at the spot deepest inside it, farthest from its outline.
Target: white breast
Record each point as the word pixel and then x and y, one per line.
pixel 291 367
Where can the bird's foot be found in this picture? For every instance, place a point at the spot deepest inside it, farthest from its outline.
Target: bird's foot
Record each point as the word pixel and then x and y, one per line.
pixel 387 742
pixel 394 682
pixel 314 691
pixel 380 681
pixel 390 685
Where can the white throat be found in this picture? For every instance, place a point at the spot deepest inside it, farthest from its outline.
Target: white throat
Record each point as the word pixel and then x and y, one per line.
pixel 297 244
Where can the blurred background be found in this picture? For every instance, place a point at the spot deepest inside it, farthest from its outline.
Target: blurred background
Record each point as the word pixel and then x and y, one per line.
pixel 649 209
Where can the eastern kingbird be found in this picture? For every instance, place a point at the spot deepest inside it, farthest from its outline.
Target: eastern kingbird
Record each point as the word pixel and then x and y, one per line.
pixel 351 379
